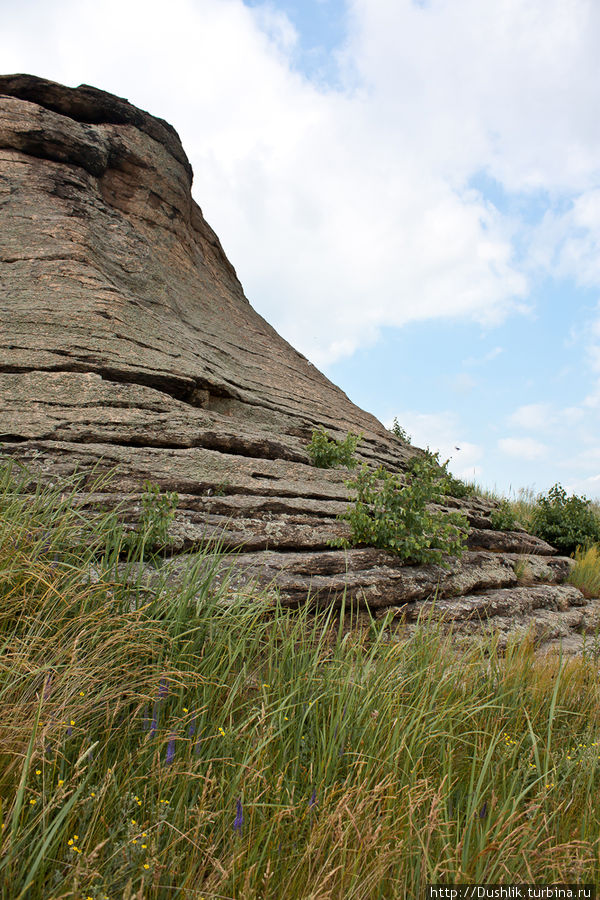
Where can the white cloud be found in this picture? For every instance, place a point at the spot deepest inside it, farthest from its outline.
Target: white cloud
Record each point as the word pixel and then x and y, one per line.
pixel 473 361
pixel 523 448
pixel 532 416
pixel 348 209
pixel 343 210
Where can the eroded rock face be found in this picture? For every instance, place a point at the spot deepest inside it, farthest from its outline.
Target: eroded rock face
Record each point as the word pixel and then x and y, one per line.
pixel 126 338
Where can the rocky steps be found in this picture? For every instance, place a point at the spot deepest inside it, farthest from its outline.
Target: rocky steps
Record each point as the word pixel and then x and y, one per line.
pixel 126 340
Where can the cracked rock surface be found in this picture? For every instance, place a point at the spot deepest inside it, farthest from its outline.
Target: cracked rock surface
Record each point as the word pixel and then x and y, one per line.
pixel 126 340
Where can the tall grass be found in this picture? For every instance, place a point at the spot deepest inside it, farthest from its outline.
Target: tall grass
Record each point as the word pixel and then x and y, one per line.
pixel 586 571
pixel 192 742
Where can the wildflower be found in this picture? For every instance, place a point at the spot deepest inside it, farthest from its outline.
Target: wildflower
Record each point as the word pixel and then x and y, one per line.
pixel 222 732
pixel 38 771
pixel 82 693
pixel 313 799
pixel 192 727
pixel 93 794
pixel 33 802
pixel 185 709
pixel 483 810
pixel 239 817
pixel 134 841
pixel 146 866
pixel 170 750
pixel 60 782
pixel 163 690
pixel 72 722
pixel 144 846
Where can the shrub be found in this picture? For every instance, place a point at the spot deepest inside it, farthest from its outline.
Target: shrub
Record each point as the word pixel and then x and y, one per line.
pixel 455 487
pixel 399 432
pixel 158 511
pixel 565 522
pixel 390 512
pixel 503 517
pixel 327 453
pixel 449 484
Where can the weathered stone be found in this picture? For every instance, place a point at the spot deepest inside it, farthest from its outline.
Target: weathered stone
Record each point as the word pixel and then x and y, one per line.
pixel 126 341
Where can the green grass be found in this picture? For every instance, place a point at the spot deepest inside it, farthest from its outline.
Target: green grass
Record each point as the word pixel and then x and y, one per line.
pixel 586 571
pixel 136 725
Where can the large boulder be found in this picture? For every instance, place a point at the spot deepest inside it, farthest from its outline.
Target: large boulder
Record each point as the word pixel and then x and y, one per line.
pixel 127 341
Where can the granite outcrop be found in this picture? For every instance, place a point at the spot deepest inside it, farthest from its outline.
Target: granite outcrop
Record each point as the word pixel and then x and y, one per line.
pixel 127 341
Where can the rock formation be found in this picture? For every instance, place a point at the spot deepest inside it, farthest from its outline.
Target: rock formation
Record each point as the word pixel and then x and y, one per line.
pixel 126 338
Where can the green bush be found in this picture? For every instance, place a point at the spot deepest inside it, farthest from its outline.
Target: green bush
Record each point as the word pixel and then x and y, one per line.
pixel 565 522
pixel 449 484
pixel 455 487
pixel 390 512
pixel 399 432
pixel 327 453
pixel 503 517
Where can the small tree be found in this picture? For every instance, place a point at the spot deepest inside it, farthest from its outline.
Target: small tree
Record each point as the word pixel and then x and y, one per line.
pixel 565 522
pixel 391 512
pixel 327 453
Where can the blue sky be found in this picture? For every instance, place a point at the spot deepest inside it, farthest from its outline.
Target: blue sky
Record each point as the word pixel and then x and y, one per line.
pixel 409 191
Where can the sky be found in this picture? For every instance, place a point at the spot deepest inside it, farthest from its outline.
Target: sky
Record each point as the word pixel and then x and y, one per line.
pixel 409 191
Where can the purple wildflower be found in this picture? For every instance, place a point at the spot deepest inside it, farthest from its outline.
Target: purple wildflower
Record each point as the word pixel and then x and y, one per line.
pixel 162 693
pixel 192 727
pixel 313 799
pixel 483 811
pixel 238 822
pixel 170 750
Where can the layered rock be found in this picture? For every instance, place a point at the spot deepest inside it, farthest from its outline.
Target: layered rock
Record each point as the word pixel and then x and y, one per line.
pixel 127 341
